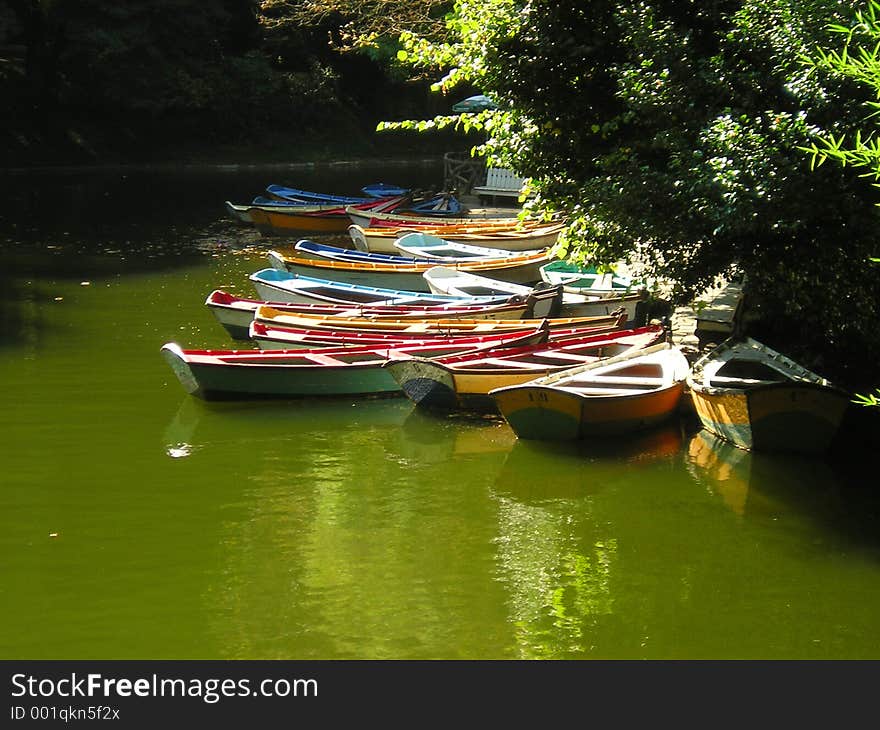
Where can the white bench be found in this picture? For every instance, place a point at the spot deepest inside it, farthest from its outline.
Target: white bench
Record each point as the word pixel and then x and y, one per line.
pixel 499 182
pixel 720 312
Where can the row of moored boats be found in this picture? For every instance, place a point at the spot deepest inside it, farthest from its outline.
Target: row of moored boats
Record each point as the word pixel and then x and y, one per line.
pixel 458 322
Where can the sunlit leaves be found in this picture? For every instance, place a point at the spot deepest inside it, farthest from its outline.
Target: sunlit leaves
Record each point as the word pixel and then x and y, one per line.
pixel 673 134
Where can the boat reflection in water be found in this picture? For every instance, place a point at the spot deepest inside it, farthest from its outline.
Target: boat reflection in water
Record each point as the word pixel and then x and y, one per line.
pixel 722 467
pixel 561 548
pixel 539 470
pixel 436 438
pixel 199 424
pixel 759 485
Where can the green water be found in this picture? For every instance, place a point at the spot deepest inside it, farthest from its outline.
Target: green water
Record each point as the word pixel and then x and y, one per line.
pixel 139 522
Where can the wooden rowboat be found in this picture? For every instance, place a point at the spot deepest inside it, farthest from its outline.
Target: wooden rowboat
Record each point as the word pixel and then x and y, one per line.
pixel 609 397
pixel 369 219
pixel 371 192
pixel 333 220
pixel 280 321
pixel 464 381
pixel 282 286
pixel 325 252
pixel 279 337
pixel 336 220
pixel 408 274
pixel 758 399
pixel 510 237
pixel 313 321
pixel 242 211
pixel 456 252
pixel 218 374
pixel 235 314
pixel 586 279
pixel 426 246
pixel 455 281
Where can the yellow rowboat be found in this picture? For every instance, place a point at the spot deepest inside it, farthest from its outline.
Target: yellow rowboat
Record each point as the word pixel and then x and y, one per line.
pixel 510 237
pixel 272 333
pixel 618 395
pixel 407 276
pixel 367 219
pixel 465 382
pixel 335 220
pixel 758 399
pixel 275 317
pixel 280 223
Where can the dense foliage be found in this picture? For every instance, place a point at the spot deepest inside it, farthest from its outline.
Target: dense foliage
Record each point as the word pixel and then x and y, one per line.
pixel 92 79
pixel 674 131
pixel 857 60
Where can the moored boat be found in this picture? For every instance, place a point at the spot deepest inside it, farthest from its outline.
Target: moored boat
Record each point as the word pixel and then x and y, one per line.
pixel 405 274
pixel 242 211
pixel 758 399
pixel 518 236
pixel 457 253
pixel 330 220
pixel 610 397
pixel 586 279
pixel 370 192
pixel 272 336
pixel 235 313
pixel 296 323
pixel 326 252
pixel 227 374
pixel 464 382
pixel 426 246
pixel 450 281
pixel 282 286
pixel 368 219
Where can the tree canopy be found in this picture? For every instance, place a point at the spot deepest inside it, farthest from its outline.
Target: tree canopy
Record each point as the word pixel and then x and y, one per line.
pixel 673 132
pixel 90 79
pixel 681 134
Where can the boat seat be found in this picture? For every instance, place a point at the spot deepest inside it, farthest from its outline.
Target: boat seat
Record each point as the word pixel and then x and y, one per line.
pixel 722 381
pixel 499 181
pixel 602 391
pixel 560 356
pixel 501 362
pixel 623 380
pixel 320 359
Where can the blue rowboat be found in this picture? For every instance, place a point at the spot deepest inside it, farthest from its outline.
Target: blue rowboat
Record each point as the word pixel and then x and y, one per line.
pixel 405 274
pixel 323 251
pixel 371 192
pixel 282 286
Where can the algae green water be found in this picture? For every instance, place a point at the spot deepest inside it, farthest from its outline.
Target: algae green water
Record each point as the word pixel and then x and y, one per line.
pixel 139 522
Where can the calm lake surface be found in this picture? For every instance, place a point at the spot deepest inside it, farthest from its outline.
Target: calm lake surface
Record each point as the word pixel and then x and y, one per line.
pixel 138 522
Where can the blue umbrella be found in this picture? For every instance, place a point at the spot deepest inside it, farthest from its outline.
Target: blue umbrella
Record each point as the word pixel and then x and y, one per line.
pixel 474 104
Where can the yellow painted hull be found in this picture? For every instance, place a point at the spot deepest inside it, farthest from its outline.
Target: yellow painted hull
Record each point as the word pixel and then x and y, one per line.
pixel 270 223
pixel 433 385
pixel 270 315
pixel 547 413
pixel 408 276
pixel 798 417
pixel 381 240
